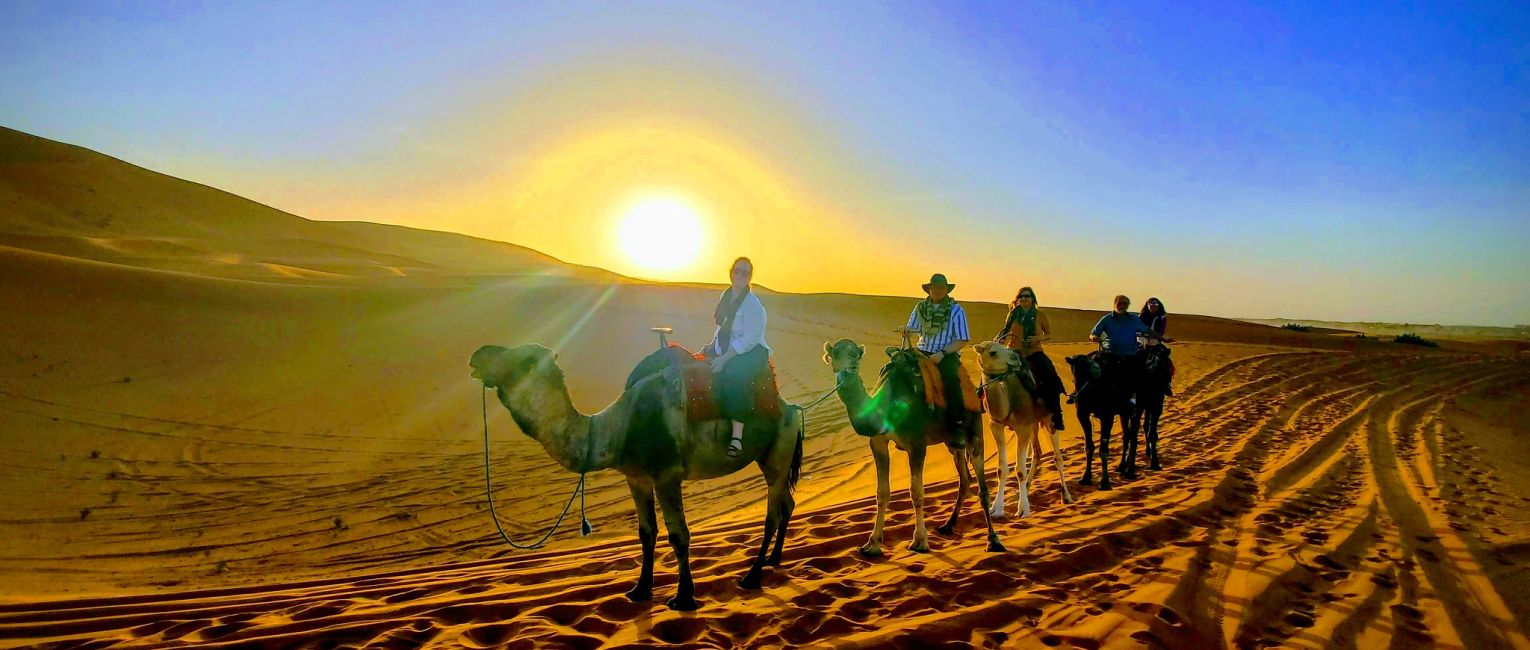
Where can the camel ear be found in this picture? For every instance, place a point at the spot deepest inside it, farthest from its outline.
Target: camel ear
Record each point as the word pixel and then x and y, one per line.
pixel 827 349
pixel 860 350
pixel 892 351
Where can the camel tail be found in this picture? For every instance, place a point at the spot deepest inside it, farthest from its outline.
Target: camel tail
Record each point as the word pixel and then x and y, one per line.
pixel 796 470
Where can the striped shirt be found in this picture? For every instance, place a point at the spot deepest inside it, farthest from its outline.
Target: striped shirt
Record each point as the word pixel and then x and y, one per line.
pixel 932 342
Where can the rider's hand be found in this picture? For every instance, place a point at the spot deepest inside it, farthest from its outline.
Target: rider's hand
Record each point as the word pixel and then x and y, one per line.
pixel 719 362
pixel 937 357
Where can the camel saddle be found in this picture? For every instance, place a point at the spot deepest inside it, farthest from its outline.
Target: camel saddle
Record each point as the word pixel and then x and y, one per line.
pixel 934 386
pixel 701 403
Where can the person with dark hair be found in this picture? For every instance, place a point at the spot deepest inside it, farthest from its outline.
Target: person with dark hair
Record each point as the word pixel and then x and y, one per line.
pixel 738 352
pixel 942 327
pixel 1024 331
pixel 1157 319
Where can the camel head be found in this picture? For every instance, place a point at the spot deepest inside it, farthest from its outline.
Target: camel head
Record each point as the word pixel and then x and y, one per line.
pixel 1083 368
pixel 498 367
pixel 844 355
pixel 997 359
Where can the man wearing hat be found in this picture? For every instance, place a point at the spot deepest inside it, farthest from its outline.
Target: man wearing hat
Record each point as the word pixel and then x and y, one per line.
pixel 942 328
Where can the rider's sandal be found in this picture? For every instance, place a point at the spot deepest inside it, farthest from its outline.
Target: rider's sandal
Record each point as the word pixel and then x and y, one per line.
pixel 735 445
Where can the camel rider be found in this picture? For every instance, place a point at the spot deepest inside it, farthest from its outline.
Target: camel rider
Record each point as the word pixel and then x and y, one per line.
pixel 1156 317
pixel 1024 331
pixel 738 352
pixel 942 328
pixel 1120 329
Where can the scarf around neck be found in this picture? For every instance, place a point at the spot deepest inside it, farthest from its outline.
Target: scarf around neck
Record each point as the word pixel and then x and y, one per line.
pixel 933 316
pixel 725 312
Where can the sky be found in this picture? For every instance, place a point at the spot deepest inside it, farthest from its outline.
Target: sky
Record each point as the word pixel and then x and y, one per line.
pixel 1337 161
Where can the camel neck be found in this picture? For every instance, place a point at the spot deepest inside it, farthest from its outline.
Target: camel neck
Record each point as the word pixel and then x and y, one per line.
pixel 858 404
pixel 549 417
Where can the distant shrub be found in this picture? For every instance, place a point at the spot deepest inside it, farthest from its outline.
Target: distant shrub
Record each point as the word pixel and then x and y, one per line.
pixel 1297 327
pixel 1414 339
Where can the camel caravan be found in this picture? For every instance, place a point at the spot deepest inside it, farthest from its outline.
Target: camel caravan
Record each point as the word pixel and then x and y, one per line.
pixel 686 416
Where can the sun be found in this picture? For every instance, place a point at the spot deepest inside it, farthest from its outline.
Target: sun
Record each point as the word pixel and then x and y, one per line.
pixel 660 234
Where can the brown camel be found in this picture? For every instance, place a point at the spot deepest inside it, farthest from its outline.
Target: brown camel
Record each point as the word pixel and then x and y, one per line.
pixel 645 436
pixel 897 413
pixel 1011 406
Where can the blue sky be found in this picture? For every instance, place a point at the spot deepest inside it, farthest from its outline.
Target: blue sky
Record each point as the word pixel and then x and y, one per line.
pixel 1346 161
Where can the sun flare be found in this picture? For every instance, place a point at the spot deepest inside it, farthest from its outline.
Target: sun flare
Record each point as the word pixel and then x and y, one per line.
pixel 660 234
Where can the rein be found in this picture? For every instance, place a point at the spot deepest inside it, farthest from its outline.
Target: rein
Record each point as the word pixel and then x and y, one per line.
pixel 825 396
pixel 584 526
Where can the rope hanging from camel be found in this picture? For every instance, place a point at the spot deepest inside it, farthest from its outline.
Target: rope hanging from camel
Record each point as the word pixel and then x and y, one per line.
pixel 825 396
pixel 584 526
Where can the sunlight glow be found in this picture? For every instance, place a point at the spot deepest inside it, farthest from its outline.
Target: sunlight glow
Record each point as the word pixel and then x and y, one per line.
pixel 660 234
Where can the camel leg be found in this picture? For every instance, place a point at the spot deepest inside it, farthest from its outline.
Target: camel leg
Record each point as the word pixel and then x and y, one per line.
pixel 680 541
pixel 1057 455
pixel 1130 427
pixel 873 546
pixel 977 457
pixel 781 460
pixel 921 543
pixel 1085 426
pixel 788 504
pixel 1152 438
pixel 963 481
pixel 1105 425
pixel 751 580
pixel 1000 438
pixel 648 533
pixel 1036 456
pixel 1023 468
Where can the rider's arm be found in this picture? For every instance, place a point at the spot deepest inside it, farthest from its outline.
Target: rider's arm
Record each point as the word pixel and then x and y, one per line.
pixel 749 327
pixel 1043 327
pixel 1094 335
pixel 913 320
pixel 958 327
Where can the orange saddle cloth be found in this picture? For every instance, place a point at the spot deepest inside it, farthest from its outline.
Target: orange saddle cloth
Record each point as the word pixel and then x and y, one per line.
pixel 701 403
pixel 934 387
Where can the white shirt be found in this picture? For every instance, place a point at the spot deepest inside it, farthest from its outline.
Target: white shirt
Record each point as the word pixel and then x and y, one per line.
pixel 748 328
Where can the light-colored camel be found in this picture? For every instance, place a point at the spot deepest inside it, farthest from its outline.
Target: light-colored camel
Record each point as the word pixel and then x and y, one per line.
pixel 645 436
pixel 1011 406
pixel 897 414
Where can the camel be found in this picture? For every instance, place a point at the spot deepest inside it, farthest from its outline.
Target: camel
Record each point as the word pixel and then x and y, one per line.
pixel 897 414
pixel 1011 406
pixel 1150 394
pixel 1098 396
pixel 645 436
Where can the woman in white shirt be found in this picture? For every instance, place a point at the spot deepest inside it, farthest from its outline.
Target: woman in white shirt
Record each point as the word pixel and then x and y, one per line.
pixel 738 353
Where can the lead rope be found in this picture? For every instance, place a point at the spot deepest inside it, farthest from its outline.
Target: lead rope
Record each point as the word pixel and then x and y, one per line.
pixel 585 527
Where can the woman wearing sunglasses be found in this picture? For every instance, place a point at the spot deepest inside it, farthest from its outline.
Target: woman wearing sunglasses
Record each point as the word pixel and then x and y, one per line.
pixel 1024 331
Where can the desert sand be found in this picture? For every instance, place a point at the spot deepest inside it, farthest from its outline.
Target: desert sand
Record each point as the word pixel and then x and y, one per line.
pixel 225 425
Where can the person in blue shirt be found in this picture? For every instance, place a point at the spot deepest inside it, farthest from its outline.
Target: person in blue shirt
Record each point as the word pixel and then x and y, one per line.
pixel 1117 334
pixel 942 327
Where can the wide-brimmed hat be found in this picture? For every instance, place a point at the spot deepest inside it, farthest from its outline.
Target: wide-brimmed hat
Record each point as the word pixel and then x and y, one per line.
pixel 938 278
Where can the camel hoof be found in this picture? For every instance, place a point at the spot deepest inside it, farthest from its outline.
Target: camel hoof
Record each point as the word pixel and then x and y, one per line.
pixel 995 547
pixel 919 548
pixel 946 530
pixel 750 581
pixel 870 551
pixel 640 594
pixel 1155 467
pixel 1087 480
pixel 682 603
pixel 1105 484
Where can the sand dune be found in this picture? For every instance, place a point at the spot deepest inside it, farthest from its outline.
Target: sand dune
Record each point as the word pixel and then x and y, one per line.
pixel 204 451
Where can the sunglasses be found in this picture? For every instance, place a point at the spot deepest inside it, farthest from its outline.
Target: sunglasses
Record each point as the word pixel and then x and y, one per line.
pixel 1026 295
